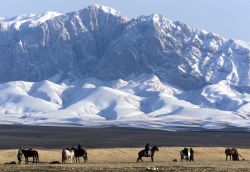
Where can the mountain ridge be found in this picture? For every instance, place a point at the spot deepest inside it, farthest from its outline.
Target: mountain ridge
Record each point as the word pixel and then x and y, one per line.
pixel 97 66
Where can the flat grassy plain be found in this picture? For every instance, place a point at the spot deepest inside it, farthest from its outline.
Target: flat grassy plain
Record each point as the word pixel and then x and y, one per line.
pixel 115 149
pixel 123 159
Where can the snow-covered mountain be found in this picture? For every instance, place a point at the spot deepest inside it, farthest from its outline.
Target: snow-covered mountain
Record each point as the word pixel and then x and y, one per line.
pixel 96 67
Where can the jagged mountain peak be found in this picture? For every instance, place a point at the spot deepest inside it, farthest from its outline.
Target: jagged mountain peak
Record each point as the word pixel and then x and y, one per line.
pixel 105 9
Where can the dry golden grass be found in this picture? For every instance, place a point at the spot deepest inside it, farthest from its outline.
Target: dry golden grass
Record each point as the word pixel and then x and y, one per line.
pixel 122 155
pixel 123 159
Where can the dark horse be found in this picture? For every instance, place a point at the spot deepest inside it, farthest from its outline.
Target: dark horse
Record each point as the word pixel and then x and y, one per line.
pixel 143 153
pixel 30 153
pixel 80 152
pixel 232 153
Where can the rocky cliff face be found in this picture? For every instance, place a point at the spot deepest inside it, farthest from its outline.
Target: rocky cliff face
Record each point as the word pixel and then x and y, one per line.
pixel 70 44
pixel 98 41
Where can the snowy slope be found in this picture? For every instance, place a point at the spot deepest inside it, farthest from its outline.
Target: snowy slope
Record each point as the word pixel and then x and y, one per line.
pixel 96 67
pixel 143 101
pixel 30 20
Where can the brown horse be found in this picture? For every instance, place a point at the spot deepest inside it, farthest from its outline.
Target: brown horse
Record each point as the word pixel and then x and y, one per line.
pixel 30 153
pixel 80 152
pixel 143 153
pixel 232 152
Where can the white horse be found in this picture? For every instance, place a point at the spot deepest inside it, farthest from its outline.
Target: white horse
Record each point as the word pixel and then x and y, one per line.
pixel 68 155
pixel 185 155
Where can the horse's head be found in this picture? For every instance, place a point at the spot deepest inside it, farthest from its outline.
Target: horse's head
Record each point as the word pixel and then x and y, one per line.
pixel 22 150
pixel 155 148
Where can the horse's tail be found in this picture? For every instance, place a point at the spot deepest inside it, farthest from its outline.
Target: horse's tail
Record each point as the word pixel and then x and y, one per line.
pixel 64 156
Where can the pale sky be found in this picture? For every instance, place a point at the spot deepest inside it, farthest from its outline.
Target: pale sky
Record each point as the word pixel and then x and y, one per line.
pixel 228 18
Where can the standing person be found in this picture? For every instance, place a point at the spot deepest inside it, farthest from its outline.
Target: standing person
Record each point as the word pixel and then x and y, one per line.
pixel 191 154
pixel 19 156
pixel 79 146
pixel 147 149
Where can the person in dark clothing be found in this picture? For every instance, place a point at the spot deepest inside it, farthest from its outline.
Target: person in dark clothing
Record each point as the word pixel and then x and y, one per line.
pixel 191 154
pixel 185 151
pixel 235 157
pixel 79 146
pixel 19 156
pixel 147 149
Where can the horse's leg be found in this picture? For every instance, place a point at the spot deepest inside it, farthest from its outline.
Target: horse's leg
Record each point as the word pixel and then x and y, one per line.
pixel 139 158
pixel 152 158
